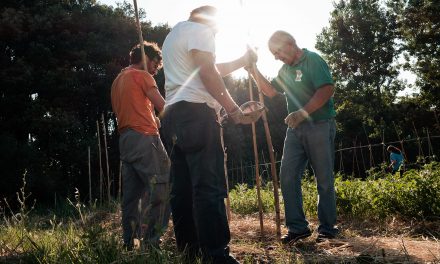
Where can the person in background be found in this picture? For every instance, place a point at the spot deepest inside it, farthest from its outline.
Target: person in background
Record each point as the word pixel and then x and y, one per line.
pixel 195 92
pixel 396 159
pixel 145 164
pixel 307 84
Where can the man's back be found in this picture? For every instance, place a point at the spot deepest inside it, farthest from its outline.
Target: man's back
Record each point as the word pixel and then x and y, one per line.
pixel 179 68
pixel 130 103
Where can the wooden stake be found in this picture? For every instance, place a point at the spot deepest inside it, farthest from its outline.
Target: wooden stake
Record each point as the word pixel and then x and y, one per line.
pixel 141 39
pixel 225 159
pixel 273 167
pixel 104 133
pixel 400 140
pixel 90 177
pixel 120 180
pixel 257 167
pixel 100 162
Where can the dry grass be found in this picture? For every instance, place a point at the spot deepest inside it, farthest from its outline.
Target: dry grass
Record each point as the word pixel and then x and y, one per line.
pixel 392 241
pixel 361 241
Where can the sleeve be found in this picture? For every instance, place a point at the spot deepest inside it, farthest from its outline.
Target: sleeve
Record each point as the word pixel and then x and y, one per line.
pixel 145 81
pixel 319 72
pixel 202 38
pixel 278 82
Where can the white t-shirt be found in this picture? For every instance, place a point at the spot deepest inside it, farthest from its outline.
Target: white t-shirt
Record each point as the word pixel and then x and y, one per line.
pixel 182 81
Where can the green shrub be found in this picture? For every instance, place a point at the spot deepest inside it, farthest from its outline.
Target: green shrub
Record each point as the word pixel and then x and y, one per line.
pixel 244 199
pixel 415 194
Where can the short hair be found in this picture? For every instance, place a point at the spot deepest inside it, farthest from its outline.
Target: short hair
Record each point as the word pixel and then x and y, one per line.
pixel 206 12
pixel 282 37
pixel 151 49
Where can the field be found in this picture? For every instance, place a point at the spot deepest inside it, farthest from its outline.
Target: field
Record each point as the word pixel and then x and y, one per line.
pixel 383 219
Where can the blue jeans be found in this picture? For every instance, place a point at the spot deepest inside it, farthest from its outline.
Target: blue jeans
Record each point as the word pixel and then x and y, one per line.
pixel 313 142
pixel 192 139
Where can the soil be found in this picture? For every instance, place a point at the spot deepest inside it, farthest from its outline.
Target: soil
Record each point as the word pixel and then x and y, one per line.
pixel 386 241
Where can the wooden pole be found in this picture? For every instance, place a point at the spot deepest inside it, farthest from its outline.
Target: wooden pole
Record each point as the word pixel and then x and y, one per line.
pixel 273 167
pixel 400 140
pixel 341 161
pixel 225 159
pixel 90 176
pixel 141 39
pixel 257 166
pixel 120 181
pixel 104 133
pixel 421 154
pixel 370 149
pixel 100 162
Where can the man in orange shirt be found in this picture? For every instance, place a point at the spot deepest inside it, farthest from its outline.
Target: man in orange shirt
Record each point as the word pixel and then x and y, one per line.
pixel 145 164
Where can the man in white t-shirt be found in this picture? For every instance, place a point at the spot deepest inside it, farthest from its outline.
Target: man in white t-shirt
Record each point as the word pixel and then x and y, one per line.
pixel 195 91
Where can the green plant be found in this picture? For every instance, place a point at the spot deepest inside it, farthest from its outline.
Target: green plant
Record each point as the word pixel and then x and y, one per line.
pixel 244 199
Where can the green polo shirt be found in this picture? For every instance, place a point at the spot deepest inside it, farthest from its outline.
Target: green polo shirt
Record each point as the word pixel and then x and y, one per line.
pixel 300 82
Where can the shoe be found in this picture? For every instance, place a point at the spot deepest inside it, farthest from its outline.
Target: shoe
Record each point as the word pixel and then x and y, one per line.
pixel 291 237
pixel 324 236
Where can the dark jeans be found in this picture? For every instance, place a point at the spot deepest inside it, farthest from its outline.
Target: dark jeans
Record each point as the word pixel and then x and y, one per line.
pixel 192 138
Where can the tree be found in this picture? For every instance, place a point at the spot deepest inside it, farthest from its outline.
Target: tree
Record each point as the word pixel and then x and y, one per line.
pixel 419 23
pixel 359 46
pixel 58 61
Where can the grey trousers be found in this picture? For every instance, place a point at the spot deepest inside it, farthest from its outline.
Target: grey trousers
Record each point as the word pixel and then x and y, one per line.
pixel 145 187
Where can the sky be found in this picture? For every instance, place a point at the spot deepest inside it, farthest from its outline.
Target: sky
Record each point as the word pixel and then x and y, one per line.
pixel 245 22
pixel 252 22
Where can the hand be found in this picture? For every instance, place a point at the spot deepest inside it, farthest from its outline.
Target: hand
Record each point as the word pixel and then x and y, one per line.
pixel 295 118
pixel 157 121
pixel 240 118
pixel 251 57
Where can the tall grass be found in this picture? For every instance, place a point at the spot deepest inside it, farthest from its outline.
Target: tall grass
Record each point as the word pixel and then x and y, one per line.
pixel 416 194
pixel 79 238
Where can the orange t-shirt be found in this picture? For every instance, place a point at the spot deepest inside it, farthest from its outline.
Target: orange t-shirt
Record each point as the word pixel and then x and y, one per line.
pixel 130 103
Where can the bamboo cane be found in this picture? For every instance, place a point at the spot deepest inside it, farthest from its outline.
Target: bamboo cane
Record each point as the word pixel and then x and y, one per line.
pixel 104 133
pixel 90 176
pixel 141 39
pixel 272 162
pixel 225 159
pixel 120 181
pixel 257 167
pixel 400 140
pixel 421 154
pixel 100 162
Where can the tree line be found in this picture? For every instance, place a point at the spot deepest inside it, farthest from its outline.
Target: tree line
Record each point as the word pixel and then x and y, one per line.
pixel 59 58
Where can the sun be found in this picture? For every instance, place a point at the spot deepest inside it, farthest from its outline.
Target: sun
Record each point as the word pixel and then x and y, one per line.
pixel 241 25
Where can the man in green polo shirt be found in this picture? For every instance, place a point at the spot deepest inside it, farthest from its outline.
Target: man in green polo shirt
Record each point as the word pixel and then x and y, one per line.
pixel 307 83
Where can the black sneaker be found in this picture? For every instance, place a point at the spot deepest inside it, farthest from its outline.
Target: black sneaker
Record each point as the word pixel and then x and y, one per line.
pixel 291 237
pixel 324 236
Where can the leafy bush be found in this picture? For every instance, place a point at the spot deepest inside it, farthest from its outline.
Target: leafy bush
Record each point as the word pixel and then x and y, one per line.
pixel 415 194
pixel 244 199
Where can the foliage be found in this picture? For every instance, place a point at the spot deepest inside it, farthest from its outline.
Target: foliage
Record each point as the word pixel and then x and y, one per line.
pixel 419 27
pixel 58 61
pixel 416 194
pixel 71 240
pixel 244 199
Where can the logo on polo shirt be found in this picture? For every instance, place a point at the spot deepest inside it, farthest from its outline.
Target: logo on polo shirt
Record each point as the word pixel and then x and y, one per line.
pixel 299 75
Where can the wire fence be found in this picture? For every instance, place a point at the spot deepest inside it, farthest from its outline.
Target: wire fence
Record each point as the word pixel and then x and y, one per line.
pixel 354 161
